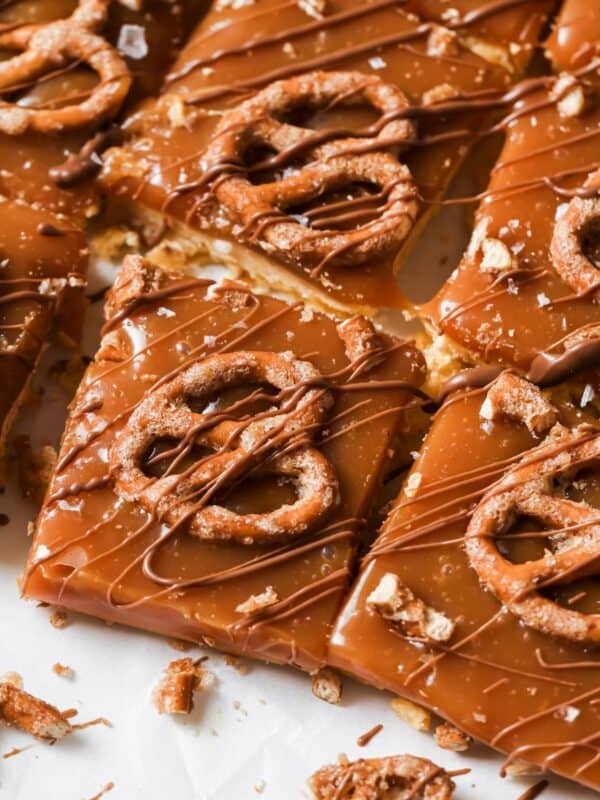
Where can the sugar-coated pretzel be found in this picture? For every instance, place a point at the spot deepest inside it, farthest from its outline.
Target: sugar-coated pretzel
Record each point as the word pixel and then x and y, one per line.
pixel 581 216
pixel 573 535
pixel 166 412
pixel 403 777
pixel 330 165
pixel 45 48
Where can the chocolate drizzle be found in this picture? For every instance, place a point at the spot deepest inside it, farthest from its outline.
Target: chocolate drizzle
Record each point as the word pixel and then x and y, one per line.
pixel 87 162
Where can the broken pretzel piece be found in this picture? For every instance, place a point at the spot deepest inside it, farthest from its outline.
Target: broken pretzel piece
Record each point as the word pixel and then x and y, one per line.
pixel 174 694
pixel 448 737
pixel 327 686
pixel 398 604
pixel 513 397
pixel 403 777
pixel 21 710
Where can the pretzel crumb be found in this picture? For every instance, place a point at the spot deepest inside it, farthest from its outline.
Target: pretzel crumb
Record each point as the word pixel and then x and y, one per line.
pixel 442 42
pixel 327 686
pixel 569 96
pixel 314 8
pixel 62 670
pixel 12 678
pixel 359 337
pixel 513 397
pixel 448 737
pixel 59 619
pixel 239 666
pixel 174 693
pixel 379 778
pixel 439 94
pixel 496 257
pixel 520 767
pixel 416 716
pixel 396 603
pixel 181 645
pixel 21 710
pixel 257 602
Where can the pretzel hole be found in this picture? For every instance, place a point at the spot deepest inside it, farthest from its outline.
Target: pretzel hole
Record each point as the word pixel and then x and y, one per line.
pixel 590 241
pixel 71 84
pixel 240 401
pixel 257 495
pixel 517 546
pixel 343 209
pixel 335 115
pixel 162 453
pixel 578 595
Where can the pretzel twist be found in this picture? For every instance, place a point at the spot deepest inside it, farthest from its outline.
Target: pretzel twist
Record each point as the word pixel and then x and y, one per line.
pixel 332 161
pixel 567 249
pixel 276 442
pixel 573 549
pixel 52 46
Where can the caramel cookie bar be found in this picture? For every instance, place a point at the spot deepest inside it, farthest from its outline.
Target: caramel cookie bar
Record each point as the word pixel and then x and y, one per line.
pixel 67 69
pixel 43 264
pixel 480 598
pixel 530 276
pixel 219 465
pixel 307 146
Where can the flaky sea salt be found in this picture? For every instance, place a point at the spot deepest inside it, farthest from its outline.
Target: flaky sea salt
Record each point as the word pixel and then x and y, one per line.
pixel 587 395
pixel 132 41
